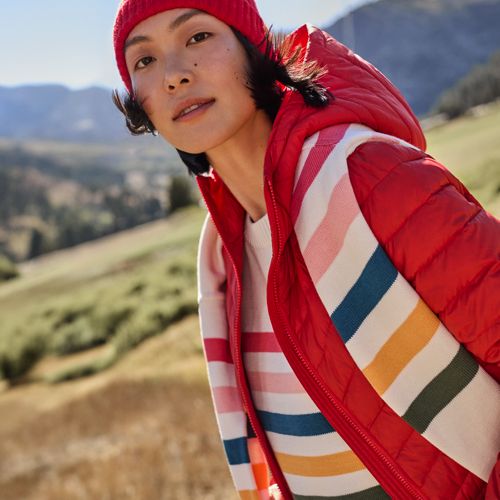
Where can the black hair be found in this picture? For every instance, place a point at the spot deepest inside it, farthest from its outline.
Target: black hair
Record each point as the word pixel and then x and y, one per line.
pixel 265 69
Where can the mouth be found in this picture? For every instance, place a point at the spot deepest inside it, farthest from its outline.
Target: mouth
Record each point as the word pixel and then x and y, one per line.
pixel 192 108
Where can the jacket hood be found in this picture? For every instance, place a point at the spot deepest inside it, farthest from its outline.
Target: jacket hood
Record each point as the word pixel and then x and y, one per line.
pixel 362 94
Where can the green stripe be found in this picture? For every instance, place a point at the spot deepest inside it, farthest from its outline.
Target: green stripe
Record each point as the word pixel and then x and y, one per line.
pixel 441 390
pixel 376 493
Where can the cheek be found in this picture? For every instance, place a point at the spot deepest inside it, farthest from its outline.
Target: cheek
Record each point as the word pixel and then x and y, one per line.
pixel 144 90
pixel 231 62
pixel 240 88
pixel 147 106
pixel 145 99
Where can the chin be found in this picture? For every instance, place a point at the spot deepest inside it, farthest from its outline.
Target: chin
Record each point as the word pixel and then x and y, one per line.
pixel 193 151
pixel 181 146
pixel 195 147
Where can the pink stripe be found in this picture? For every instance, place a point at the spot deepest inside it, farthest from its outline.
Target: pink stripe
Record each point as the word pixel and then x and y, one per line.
pixel 227 399
pixel 283 383
pixel 328 138
pixel 218 350
pixel 329 236
pixel 260 342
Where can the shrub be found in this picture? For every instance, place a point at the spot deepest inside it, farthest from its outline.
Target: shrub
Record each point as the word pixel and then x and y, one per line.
pixel 143 324
pixel 18 354
pixel 69 311
pixel 8 270
pixel 152 319
pixel 75 337
pixel 480 86
pixel 83 369
pixel 106 319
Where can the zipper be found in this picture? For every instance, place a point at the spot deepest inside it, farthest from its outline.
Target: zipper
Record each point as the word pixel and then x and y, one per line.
pixel 303 364
pixel 240 374
pixel 247 403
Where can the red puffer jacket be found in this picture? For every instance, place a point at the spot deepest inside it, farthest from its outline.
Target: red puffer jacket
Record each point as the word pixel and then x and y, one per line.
pixel 433 230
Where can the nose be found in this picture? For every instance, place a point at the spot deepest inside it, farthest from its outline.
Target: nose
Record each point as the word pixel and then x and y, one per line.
pixel 176 75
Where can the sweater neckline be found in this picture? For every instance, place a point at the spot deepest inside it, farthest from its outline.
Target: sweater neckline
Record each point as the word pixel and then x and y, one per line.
pixel 258 234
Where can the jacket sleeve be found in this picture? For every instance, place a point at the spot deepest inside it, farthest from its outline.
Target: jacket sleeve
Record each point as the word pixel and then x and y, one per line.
pixel 440 239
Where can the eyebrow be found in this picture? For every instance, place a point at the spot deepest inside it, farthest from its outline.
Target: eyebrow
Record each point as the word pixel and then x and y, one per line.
pixel 175 24
pixel 184 18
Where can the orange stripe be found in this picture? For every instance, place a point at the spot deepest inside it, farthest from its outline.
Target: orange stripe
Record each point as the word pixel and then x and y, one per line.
pixel 255 452
pixel 261 476
pixel 249 494
pixel 404 344
pixel 320 466
pixel 259 464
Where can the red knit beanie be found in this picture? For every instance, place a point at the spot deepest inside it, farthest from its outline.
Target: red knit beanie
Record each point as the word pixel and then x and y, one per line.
pixel 240 14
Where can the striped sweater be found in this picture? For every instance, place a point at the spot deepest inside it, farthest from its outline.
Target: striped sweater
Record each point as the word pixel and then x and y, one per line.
pixel 313 457
pixel 407 355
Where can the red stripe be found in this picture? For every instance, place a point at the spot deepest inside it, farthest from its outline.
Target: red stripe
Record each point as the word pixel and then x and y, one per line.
pixel 218 350
pixel 281 383
pixel 227 399
pixel 329 137
pixel 260 342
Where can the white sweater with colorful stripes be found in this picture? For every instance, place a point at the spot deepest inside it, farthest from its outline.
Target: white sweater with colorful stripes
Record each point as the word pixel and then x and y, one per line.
pixel 314 459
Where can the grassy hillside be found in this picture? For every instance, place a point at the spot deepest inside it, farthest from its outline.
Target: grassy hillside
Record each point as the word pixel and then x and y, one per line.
pixel 56 195
pixel 143 427
pixel 116 291
pixel 470 148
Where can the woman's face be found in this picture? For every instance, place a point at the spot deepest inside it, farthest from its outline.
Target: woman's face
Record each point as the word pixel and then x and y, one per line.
pixel 188 72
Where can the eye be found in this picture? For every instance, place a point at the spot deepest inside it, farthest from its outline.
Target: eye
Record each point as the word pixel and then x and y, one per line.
pixel 200 37
pixel 143 62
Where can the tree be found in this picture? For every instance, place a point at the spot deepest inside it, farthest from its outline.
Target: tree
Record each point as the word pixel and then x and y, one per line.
pixel 180 193
pixel 480 86
pixel 36 244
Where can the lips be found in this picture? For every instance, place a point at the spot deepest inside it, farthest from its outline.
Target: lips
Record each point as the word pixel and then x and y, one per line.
pixel 189 105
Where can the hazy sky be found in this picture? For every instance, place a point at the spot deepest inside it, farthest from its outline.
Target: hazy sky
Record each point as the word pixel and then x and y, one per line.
pixel 69 41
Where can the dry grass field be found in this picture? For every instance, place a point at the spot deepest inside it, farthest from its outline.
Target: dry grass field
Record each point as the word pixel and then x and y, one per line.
pixel 142 430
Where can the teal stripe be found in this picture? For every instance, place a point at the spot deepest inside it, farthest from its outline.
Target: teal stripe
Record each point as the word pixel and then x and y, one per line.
pixel 377 277
pixel 375 493
pixel 236 451
pixel 311 424
pixel 441 390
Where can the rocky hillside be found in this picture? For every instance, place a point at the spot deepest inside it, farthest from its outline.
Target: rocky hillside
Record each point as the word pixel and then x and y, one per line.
pixel 424 46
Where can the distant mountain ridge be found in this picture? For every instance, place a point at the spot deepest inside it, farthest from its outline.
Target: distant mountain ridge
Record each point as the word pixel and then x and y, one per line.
pixel 55 112
pixel 423 46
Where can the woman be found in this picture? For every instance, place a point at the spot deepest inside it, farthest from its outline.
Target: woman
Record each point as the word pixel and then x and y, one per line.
pixel 346 279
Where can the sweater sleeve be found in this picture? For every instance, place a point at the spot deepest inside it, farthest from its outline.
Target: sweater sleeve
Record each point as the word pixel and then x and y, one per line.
pixel 440 239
